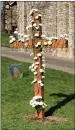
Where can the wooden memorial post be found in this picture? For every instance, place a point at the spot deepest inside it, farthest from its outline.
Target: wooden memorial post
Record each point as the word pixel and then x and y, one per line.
pixel 37 43
pixel 37 49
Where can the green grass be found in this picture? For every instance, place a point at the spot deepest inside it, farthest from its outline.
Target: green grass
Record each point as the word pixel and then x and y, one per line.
pixel 16 94
pixel 4 39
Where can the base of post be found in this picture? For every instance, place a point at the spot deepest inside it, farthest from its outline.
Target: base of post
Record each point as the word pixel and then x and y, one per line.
pixel 48 119
pixel 40 115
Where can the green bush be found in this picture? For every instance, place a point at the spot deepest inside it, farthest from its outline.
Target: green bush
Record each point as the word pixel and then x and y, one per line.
pixel 4 39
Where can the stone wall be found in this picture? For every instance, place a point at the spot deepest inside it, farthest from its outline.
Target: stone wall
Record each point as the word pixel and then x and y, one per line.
pixel 71 28
pixel 57 18
pixel 20 19
pixel 10 18
pixel 62 18
pixel 48 11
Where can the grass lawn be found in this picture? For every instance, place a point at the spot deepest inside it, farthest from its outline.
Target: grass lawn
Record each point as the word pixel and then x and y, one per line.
pixel 16 94
pixel 4 39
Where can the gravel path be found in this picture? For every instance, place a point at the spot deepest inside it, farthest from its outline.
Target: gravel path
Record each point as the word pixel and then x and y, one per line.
pixel 66 65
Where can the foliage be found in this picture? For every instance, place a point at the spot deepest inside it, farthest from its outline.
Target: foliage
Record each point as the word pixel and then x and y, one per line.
pixel 4 39
pixel 16 94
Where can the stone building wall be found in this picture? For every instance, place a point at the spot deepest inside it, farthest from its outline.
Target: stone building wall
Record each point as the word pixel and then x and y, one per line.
pixel 10 17
pixel 48 19
pixel 20 19
pixel 62 18
pixel 71 28
pixel 58 18
pixel 14 15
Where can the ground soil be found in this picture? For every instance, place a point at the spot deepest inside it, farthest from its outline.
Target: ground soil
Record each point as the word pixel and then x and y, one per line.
pixel 52 119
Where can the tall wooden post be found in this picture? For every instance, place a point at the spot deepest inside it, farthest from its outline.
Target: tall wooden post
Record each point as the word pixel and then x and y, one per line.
pixel 38 90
